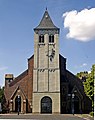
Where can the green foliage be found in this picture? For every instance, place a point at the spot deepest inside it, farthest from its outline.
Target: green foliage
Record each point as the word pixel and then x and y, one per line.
pixel 92 114
pixel 1 93
pixel 3 101
pixel 82 75
pixel 89 85
pixel 4 105
pixel 88 81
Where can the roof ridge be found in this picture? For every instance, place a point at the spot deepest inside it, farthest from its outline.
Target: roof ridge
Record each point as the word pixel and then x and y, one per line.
pixel 18 78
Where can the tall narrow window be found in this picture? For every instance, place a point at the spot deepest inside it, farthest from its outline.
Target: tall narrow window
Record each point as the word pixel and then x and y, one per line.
pixel 51 39
pixel 41 39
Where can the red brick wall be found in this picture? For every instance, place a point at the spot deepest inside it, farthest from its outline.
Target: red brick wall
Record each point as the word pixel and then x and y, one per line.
pixel 30 80
pixel 24 81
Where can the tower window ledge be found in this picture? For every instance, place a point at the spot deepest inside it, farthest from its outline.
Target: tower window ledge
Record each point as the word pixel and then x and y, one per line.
pixel 41 44
pixel 41 70
pixel 51 43
pixel 51 70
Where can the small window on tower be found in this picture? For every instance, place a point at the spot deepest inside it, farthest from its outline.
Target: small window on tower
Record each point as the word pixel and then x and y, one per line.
pixel 41 39
pixel 51 39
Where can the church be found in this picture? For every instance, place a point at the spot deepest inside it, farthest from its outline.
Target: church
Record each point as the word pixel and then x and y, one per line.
pixel 46 86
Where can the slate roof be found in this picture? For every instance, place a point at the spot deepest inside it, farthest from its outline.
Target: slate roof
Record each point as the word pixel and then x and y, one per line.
pixel 46 22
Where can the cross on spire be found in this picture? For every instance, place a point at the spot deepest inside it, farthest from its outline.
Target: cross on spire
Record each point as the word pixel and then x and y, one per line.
pixel 46 8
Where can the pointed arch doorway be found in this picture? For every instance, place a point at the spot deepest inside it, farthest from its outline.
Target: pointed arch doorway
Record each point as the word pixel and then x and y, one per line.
pixel 76 105
pixel 18 104
pixel 46 105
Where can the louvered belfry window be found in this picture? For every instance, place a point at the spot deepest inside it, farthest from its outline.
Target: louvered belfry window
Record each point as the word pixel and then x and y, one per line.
pixel 41 39
pixel 51 38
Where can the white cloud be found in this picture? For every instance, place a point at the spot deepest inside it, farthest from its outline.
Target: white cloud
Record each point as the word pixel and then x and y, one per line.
pixel 3 68
pixel 83 65
pixel 81 25
pixel 89 72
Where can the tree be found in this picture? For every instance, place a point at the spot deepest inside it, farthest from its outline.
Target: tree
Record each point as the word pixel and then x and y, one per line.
pixel 88 81
pixel 83 75
pixel 1 93
pixel 3 101
pixel 89 85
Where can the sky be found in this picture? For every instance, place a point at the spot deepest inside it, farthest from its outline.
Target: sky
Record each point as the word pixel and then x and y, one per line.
pixel 18 18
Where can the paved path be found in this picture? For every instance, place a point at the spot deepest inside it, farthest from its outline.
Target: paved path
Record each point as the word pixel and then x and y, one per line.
pixel 42 117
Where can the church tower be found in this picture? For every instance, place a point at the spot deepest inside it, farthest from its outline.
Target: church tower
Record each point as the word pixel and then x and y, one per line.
pixel 46 73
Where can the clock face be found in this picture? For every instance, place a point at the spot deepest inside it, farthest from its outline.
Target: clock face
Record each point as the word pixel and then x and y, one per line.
pixel 46 16
pixel 51 54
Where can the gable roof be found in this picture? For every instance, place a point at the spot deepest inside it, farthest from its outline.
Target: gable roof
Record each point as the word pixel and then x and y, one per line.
pixel 20 93
pixel 18 78
pixel 46 22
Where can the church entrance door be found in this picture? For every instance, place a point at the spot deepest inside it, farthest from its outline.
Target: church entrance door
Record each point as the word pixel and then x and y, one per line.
pixel 76 105
pixel 46 105
pixel 17 104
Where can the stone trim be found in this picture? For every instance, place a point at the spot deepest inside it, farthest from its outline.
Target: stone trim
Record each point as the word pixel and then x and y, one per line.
pixel 46 31
pixel 45 69
pixel 47 92
pixel 41 44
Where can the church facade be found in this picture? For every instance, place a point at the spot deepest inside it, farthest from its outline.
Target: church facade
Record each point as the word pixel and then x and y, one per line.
pixel 46 86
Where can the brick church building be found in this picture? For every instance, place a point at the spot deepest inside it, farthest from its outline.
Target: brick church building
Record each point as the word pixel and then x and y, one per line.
pixel 46 86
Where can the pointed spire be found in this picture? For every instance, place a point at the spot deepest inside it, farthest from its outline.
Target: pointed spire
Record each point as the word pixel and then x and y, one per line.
pixel 46 22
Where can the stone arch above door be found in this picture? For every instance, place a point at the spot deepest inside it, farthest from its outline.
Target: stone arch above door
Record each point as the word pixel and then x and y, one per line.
pixel 18 92
pixel 46 105
pixel 78 98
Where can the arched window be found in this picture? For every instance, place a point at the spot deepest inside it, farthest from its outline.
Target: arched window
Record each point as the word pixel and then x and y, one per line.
pixel 41 39
pixel 51 38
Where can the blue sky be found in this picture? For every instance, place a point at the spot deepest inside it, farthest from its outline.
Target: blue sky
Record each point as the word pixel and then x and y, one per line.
pixel 19 17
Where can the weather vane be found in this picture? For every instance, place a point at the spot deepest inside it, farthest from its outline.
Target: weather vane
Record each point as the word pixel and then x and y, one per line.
pixel 46 8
